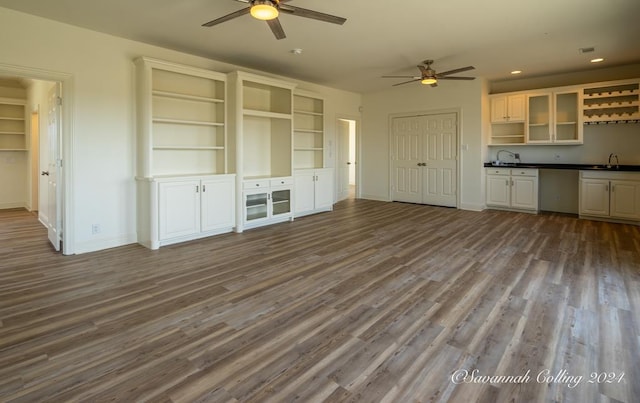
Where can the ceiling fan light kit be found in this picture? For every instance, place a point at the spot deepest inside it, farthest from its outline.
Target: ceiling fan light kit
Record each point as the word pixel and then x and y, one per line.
pixel 269 10
pixel 428 76
pixel 264 10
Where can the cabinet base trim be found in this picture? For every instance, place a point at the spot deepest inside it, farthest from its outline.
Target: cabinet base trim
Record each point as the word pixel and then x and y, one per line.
pixel 609 219
pixel 200 235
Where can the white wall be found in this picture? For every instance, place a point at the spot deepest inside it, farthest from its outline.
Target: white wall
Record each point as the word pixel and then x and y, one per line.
pixel 465 96
pixel 103 127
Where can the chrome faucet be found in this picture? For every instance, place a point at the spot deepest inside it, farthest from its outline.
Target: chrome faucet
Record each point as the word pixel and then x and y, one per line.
pixel 515 156
pixel 612 156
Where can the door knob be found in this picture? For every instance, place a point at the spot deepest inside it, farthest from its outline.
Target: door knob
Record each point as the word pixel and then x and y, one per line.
pixel 45 173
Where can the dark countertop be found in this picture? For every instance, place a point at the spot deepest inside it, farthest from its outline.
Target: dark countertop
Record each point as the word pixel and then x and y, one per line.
pixel 586 167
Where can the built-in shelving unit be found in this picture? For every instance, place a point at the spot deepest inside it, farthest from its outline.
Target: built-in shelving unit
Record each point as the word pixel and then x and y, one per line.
pixel 12 125
pixel 183 120
pixel 185 181
pixel 308 131
pixel 612 103
pixel 262 127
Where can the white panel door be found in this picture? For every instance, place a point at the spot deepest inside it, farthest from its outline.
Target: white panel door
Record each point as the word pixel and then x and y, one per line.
pixel 217 204
pixel 343 159
pixel 405 157
pixel 179 209
pixel 440 153
pixel 54 190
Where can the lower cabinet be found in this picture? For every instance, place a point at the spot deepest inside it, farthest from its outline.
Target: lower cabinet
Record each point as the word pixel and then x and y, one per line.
pixel 267 201
pixel 313 191
pixel 614 195
pixel 512 189
pixel 174 210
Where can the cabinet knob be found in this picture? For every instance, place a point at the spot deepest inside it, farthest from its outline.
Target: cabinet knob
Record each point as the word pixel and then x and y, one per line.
pixel 45 173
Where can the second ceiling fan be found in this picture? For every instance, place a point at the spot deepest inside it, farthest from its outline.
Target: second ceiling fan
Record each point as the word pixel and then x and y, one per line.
pixel 428 76
pixel 268 10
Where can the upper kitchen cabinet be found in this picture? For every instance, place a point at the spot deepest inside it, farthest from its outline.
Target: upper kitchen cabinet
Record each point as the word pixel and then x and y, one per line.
pixel 507 119
pixel 181 120
pixel 613 102
pixel 554 118
pixel 508 108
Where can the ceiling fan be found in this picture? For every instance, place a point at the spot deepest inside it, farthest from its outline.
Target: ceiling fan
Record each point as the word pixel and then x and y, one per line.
pixel 428 76
pixel 268 10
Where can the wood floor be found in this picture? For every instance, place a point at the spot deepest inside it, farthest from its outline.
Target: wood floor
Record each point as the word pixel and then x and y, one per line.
pixel 373 302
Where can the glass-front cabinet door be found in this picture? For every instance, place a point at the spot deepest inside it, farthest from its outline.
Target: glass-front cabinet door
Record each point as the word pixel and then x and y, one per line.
pixel 256 206
pixel 539 118
pixel 281 201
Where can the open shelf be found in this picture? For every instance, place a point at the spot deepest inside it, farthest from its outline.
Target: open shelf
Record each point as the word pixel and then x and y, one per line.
pixel 616 103
pixel 308 131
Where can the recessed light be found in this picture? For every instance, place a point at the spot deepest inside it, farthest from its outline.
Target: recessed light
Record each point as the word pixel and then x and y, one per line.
pixel 516 72
pixel 597 60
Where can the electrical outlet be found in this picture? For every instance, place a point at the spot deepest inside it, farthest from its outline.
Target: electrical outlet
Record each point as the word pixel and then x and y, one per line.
pixel 95 229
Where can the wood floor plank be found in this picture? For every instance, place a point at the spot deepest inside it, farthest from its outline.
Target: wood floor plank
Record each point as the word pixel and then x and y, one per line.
pixel 373 302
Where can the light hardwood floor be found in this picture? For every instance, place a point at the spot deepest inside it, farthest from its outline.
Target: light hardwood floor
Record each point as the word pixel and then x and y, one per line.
pixel 372 302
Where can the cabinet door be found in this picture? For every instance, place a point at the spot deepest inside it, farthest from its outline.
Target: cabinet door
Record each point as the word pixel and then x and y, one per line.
pixel 256 205
pixel 179 209
pixel 567 120
pixel 524 192
pixel 499 111
pixel 498 191
pixel 305 192
pixel 594 197
pixel 625 199
pixel 280 202
pixel 218 205
pixel 539 118
pixel 324 189
pixel 516 108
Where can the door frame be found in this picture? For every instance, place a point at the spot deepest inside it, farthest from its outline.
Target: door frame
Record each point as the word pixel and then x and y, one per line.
pixel 457 112
pixel 66 138
pixel 356 119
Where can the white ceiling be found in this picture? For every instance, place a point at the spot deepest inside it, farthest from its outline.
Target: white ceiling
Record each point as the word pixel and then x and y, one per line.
pixel 379 38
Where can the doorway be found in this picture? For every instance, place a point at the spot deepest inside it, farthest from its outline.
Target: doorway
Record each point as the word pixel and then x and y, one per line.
pixel 347 158
pixel 54 134
pixel 424 159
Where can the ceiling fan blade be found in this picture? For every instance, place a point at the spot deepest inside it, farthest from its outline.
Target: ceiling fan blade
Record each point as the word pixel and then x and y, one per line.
pixel 276 28
pixel 227 17
pixel 316 15
pixel 415 77
pixel 454 71
pixel 456 78
pixel 406 82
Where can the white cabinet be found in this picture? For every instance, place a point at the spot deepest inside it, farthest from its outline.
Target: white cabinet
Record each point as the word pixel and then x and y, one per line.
pixel 267 201
pixel 508 108
pixel 515 189
pixel 184 189
pixel 554 117
pixel 613 195
pixel 507 119
pixel 262 131
pixel 313 191
pixel 190 208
